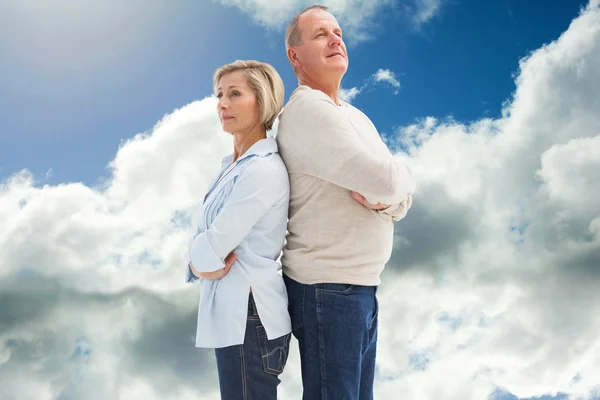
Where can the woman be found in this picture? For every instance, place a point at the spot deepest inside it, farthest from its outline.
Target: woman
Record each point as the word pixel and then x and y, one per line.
pixel 243 302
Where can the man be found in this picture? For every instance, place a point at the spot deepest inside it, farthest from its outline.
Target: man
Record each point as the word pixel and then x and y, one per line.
pixel 346 191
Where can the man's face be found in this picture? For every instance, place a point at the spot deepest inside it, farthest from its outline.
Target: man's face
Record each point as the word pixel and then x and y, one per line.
pixel 322 54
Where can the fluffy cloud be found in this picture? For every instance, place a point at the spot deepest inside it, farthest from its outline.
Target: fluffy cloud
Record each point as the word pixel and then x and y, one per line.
pixel 498 262
pixel 384 76
pixel 92 301
pixel 387 76
pixel 63 343
pixel 123 229
pixel 349 94
pixel 493 283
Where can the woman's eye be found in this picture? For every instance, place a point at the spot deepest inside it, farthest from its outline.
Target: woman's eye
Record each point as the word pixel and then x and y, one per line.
pixel 219 95
pixel 235 93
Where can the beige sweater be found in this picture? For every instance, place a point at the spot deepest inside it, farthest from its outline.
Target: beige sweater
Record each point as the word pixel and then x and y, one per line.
pixel 330 151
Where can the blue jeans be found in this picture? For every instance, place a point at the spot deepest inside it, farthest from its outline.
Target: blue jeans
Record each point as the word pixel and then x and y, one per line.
pixel 250 371
pixel 336 328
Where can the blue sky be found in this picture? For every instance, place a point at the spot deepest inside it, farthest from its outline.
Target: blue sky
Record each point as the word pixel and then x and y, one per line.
pixel 104 73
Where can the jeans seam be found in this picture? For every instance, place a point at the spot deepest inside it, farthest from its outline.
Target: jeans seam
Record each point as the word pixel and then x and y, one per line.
pixel 322 355
pixel 243 363
pixel 302 302
pixel 279 348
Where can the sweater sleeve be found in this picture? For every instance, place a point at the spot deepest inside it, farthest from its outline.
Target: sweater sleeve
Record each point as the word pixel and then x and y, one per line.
pixel 398 211
pixel 327 146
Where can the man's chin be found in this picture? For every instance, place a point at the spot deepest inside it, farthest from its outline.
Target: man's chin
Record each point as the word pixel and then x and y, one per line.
pixel 339 67
pixel 328 72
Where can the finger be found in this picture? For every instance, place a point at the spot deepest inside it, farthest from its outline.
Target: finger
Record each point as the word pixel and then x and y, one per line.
pixel 358 197
pixel 212 275
pixel 230 260
pixel 227 267
pixel 378 206
pixel 371 205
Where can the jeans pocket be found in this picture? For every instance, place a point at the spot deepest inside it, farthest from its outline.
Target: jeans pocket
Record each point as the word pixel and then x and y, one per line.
pixel 274 352
pixel 337 288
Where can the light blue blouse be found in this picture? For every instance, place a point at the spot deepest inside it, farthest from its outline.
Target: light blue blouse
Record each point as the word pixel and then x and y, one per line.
pixel 245 210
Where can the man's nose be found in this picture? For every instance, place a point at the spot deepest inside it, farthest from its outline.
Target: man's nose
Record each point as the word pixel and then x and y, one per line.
pixel 334 40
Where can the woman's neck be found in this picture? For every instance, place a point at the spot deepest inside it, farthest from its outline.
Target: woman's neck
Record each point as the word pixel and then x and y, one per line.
pixel 243 141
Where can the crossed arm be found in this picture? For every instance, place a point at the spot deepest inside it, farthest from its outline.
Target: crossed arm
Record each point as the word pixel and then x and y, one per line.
pixel 329 150
pixel 211 253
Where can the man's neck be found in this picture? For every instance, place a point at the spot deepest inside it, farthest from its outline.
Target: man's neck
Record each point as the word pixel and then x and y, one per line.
pixel 331 90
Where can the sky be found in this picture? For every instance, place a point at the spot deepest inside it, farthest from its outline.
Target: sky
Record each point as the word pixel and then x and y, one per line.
pixel 109 137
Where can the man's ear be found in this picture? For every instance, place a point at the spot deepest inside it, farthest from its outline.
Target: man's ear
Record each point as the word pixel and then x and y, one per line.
pixel 293 57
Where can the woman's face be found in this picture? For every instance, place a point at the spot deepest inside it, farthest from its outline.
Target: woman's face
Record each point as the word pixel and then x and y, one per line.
pixel 237 107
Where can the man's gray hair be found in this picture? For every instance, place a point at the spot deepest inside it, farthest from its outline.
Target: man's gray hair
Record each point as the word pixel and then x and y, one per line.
pixel 293 36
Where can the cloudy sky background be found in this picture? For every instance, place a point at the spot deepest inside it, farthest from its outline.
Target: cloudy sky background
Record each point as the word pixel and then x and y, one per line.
pixel 109 135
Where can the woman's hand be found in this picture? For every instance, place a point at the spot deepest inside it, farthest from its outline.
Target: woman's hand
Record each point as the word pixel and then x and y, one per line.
pixel 215 275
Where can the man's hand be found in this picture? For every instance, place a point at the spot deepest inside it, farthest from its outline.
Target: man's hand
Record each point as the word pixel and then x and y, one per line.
pixel 361 199
pixel 216 275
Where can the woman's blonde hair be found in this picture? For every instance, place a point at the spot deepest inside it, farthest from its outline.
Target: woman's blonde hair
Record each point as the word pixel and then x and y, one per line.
pixel 264 81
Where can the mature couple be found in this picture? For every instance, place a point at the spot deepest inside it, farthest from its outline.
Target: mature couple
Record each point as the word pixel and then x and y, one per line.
pixel 329 172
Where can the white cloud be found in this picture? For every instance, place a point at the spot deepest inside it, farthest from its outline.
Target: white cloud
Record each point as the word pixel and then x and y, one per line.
pixel 505 222
pixel 69 344
pixel 569 172
pixel 72 257
pixel 387 76
pixel 380 76
pixel 122 230
pixel 493 281
pixel 349 94
pixel 425 10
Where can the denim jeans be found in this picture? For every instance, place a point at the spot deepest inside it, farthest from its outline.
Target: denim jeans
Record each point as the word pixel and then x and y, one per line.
pixel 336 328
pixel 251 371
